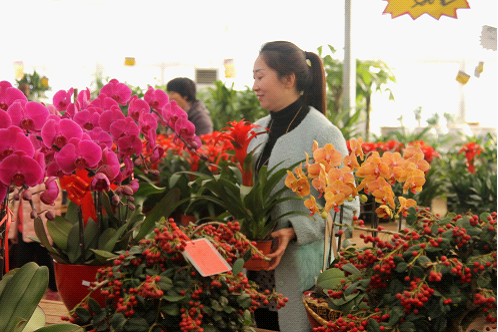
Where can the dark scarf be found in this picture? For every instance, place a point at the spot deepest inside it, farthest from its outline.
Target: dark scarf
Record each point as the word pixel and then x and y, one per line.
pixel 278 125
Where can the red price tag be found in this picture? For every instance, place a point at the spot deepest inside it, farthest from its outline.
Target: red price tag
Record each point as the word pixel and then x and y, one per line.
pixel 205 258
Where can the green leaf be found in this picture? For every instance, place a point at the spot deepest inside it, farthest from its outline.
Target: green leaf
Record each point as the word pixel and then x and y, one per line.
pixel 136 324
pixel 407 327
pixel 61 328
pixel 18 301
pixel 330 278
pixel 401 267
pixel 59 229
pixel 351 269
pixel 373 325
pixel 171 309
pixel 165 283
pixel 83 314
pixel 237 266
pixel 483 281
pixel 90 235
pixel 173 298
pixel 395 314
pixel 163 209
pixel 117 321
pixel 42 237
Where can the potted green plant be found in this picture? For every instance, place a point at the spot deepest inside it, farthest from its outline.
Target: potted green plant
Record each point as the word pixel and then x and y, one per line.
pixel 20 292
pixel 154 286
pixel 435 275
pixel 246 196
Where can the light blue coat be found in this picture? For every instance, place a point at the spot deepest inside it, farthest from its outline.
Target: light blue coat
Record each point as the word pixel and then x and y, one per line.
pixel 303 258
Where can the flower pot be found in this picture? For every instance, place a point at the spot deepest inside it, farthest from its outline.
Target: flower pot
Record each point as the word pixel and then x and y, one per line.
pixel 73 282
pixel 254 264
pixel 185 220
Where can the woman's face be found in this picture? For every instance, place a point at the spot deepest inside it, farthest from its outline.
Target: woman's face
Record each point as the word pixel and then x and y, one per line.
pixel 273 94
pixel 180 101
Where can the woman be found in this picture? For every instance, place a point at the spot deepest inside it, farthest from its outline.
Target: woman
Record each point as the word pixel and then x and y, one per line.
pixel 183 91
pixel 294 93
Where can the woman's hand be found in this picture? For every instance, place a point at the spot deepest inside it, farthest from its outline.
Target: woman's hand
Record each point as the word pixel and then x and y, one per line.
pixel 284 236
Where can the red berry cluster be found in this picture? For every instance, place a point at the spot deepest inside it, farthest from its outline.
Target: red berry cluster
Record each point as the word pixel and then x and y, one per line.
pixel 155 271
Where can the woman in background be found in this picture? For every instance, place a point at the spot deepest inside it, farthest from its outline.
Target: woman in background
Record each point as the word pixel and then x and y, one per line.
pixel 183 91
pixel 290 83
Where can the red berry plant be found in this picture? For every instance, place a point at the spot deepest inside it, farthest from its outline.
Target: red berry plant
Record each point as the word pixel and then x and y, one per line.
pixel 437 274
pixel 153 287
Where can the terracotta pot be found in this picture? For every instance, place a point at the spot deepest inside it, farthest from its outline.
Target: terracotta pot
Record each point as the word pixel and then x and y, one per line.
pixel 259 264
pixel 73 282
pixel 185 220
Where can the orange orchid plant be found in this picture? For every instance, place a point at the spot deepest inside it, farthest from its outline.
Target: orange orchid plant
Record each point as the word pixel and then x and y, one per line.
pixel 335 178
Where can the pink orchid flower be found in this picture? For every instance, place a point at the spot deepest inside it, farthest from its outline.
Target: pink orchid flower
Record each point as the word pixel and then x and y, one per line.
pixel 156 98
pixel 5 120
pixel 78 154
pixel 104 102
pixel 72 109
pixel 184 128
pixel 147 122
pixel 53 169
pixel 13 140
pixel 84 98
pixel 100 182
pixel 28 115
pixel 20 169
pixel 3 191
pixel 137 107
pixel 109 165
pixel 171 112
pixel 108 117
pixel 129 145
pixel 51 192
pixel 124 127
pixel 120 92
pixel 62 99
pixel 9 94
pixel 157 154
pixel 87 118
pixel 59 132
pixel 100 137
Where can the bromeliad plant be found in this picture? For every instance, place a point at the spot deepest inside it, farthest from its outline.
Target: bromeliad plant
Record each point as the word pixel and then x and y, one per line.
pixel 437 275
pixel 153 287
pixel 90 147
pixel 245 195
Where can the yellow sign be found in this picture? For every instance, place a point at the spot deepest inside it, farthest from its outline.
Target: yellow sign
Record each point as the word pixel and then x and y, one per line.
pixel 129 61
pixel 415 8
pixel 462 77
pixel 229 68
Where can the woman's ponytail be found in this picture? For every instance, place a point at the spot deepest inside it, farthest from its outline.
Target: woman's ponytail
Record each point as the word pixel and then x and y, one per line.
pixel 315 93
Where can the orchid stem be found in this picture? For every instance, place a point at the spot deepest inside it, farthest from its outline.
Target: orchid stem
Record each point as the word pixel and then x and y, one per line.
pixel 81 234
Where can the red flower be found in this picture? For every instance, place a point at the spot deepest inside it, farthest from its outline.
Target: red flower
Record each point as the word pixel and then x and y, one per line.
pixel 471 149
pixel 241 133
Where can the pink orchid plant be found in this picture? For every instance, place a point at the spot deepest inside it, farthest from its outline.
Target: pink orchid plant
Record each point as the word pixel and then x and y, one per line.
pixel 91 147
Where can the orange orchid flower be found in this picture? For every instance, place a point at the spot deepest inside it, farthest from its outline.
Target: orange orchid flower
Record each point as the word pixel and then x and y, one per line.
pixel 351 161
pixel 313 169
pixel 384 195
pixel 335 194
pixel 356 149
pixel 405 204
pixel 384 211
pixel 311 205
pixel 414 181
pixel 320 183
pixel 374 166
pixel 420 162
pixel 345 175
pixel 300 186
pixel 328 155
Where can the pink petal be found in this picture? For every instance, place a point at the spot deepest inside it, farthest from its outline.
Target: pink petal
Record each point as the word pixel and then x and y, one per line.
pixel 5 120
pixel 110 116
pixel 120 92
pixel 20 170
pixel 90 153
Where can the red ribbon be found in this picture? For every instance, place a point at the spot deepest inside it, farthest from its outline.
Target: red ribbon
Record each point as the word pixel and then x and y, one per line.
pixel 8 220
pixel 78 191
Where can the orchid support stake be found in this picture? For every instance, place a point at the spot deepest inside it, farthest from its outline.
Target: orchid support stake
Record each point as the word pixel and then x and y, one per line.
pixel 3 233
pixel 331 238
pixel 81 233
pixel 341 218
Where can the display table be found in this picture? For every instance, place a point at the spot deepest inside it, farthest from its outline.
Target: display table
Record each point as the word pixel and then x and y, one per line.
pixel 55 309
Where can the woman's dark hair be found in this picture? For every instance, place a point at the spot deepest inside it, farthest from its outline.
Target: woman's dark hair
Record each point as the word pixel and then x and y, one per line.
pixel 184 87
pixel 286 58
